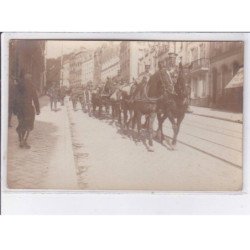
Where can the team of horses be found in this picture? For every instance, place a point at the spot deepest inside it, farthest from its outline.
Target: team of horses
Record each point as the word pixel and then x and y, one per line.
pixel 129 111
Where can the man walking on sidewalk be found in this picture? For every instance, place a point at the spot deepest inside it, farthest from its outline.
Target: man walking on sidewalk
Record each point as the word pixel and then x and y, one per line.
pixel 26 96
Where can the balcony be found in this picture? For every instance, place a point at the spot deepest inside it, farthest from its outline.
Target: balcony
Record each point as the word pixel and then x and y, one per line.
pixel 199 65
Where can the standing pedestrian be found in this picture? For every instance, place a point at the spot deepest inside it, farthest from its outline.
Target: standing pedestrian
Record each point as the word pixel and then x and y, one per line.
pixel 25 100
pixel 53 94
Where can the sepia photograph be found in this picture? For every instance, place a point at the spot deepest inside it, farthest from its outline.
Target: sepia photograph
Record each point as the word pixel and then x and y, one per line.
pixel 128 115
pixel 124 124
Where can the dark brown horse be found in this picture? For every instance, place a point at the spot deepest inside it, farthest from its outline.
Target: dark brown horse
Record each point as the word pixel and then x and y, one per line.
pixel 99 100
pixel 115 102
pixel 146 103
pixel 173 106
pixel 127 106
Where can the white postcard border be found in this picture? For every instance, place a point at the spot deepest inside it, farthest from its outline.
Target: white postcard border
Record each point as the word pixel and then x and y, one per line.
pixel 125 202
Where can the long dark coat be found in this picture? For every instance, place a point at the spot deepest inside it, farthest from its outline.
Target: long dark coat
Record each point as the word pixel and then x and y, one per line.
pixel 25 100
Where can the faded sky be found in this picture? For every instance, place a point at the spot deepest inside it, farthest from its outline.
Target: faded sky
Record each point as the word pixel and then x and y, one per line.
pixel 54 48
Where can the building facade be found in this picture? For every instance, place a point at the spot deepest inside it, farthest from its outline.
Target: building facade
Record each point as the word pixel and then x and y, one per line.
pixel 210 66
pixel 28 56
pixel 110 68
pixel 53 71
pixel 76 66
pixel 65 73
pixel 171 53
pixel 88 68
pixel 125 60
pixel 197 57
pixel 97 66
pixel 133 59
pixel 147 56
pixel 162 52
pixel 110 61
pixel 226 60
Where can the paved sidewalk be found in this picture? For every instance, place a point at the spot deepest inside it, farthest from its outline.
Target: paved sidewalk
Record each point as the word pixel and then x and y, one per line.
pixel 49 164
pixel 217 114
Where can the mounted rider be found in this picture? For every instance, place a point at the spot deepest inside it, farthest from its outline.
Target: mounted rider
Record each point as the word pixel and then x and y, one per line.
pixel 107 87
pixel 168 77
pixel 161 85
pixel 140 83
pixel 144 77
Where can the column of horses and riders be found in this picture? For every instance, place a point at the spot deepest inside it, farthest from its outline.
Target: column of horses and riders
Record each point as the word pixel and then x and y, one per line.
pixel 162 95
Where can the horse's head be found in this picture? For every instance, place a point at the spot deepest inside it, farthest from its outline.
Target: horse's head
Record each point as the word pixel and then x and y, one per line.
pixel 182 85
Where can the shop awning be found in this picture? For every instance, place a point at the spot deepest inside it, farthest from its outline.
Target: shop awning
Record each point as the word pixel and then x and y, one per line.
pixel 237 80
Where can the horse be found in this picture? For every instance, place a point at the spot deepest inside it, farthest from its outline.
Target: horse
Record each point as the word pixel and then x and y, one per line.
pixel 99 100
pixel 173 106
pixel 115 101
pixel 145 103
pixel 127 107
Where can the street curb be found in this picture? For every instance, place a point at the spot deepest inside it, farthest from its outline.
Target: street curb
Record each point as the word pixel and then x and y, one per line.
pixel 70 145
pixel 219 118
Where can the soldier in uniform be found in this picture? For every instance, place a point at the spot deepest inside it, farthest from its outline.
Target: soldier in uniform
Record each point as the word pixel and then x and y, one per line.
pixel 53 93
pixel 173 70
pixel 154 89
pixel 25 97
pixel 167 76
pixel 107 87
pixel 140 83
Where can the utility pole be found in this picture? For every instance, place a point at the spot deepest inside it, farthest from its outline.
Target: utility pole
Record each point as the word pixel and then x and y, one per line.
pixel 61 75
